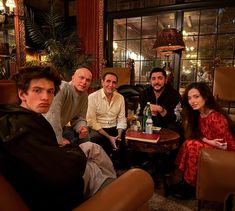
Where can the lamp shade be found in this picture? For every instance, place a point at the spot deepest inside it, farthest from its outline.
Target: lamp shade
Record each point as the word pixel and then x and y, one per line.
pixel 169 39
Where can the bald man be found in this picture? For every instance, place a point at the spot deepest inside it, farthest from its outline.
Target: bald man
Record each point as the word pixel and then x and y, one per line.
pixel 70 106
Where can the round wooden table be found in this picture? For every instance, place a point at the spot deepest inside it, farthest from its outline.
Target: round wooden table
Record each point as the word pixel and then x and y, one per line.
pixel 158 154
pixel 168 141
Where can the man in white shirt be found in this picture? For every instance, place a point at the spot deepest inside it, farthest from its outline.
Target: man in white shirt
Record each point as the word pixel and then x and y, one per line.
pixel 106 114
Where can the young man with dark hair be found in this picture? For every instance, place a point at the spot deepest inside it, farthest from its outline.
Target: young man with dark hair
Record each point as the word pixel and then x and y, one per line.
pixel 165 105
pixel 163 100
pixel 47 176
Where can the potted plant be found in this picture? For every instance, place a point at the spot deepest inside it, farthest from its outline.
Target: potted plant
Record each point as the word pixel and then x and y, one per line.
pixel 60 43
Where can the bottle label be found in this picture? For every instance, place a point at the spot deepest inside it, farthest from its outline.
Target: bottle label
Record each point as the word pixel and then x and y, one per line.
pixel 149 128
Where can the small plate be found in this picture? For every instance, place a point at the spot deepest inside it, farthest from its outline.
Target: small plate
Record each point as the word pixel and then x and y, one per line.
pixel 157 129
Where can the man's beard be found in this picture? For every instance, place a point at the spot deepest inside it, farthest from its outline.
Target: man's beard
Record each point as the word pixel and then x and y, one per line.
pixel 159 90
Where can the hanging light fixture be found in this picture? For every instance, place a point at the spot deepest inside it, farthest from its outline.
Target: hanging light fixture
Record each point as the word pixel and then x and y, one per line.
pixel 10 3
pixel 169 39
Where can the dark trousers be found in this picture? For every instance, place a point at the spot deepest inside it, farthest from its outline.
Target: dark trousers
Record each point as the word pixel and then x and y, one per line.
pixel 116 156
pixel 98 138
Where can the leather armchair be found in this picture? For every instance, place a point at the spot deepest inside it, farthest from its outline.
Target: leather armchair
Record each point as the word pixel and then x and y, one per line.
pixel 8 93
pixel 131 191
pixel 216 173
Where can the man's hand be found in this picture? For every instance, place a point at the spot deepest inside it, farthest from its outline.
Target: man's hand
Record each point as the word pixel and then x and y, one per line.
pixel 64 142
pixel 156 109
pixel 83 131
pixel 113 141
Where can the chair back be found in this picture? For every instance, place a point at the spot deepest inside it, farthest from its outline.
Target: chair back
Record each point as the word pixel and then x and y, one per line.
pixel 124 74
pixel 8 92
pixel 224 85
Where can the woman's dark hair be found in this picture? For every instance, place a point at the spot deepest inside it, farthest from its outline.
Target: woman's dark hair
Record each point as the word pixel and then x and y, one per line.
pixel 156 70
pixel 26 74
pixel 191 116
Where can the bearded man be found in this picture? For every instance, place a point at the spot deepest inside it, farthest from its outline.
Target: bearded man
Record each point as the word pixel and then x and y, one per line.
pixel 164 100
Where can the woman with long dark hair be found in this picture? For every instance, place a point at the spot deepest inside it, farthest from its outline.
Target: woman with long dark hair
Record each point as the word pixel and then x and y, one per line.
pixel 206 126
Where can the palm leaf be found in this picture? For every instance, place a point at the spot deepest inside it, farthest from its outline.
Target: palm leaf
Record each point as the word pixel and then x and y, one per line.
pixel 34 31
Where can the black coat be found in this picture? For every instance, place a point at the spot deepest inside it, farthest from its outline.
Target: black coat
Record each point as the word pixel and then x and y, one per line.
pixel 47 177
pixel 168 99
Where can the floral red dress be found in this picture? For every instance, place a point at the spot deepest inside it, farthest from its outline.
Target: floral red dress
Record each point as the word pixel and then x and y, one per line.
pixel 212 126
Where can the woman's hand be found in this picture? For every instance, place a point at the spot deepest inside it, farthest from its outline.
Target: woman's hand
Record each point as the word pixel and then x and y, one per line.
pixel 218 143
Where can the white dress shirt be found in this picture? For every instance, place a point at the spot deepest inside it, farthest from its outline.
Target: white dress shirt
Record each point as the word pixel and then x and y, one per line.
pixel 102 114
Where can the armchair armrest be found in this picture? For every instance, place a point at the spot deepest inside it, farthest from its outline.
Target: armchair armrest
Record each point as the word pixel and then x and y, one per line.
pixel 216 173
pixel 9 198
pixel 131 191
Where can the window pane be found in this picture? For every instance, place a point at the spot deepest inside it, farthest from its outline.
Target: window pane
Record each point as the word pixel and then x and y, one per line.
pixel 191 23
pixel 208 21
pixel 190 51
pixel 166 20
pixel 119 50
pixel 145 70
pixel 225 46
pixel 147 51
pixel 119 29
pixel 133 28
pixel 188 73
pixel 137 70
pixel 133 49
pixel 119 64
pixel 205 70
pixel 207 46
pixel 227 20
pixel 149 26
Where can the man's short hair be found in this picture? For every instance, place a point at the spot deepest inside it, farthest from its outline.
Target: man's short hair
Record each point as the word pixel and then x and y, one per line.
pixel 28 73
pixel 109 73
pixel 156 70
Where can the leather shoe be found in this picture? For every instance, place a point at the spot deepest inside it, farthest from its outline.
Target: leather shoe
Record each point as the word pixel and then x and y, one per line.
pixel 183 190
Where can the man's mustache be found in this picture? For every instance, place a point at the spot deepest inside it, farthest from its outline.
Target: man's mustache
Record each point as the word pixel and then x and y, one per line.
pixel 157 84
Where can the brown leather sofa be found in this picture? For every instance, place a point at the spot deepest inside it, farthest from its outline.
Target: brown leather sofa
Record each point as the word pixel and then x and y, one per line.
pixel 216 175
pixel 129 192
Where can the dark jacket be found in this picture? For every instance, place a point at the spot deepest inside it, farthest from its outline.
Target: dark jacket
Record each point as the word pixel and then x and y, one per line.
pixel 168 99
pixel 47 177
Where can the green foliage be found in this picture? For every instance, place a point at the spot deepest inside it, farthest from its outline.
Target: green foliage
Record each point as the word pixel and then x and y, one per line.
pixel 60 44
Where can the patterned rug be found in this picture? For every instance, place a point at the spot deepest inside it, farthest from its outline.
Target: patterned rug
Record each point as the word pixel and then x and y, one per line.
pixel 160 203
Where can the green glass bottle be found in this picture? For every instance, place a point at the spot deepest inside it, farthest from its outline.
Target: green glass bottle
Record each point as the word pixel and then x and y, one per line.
pixel 146 115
